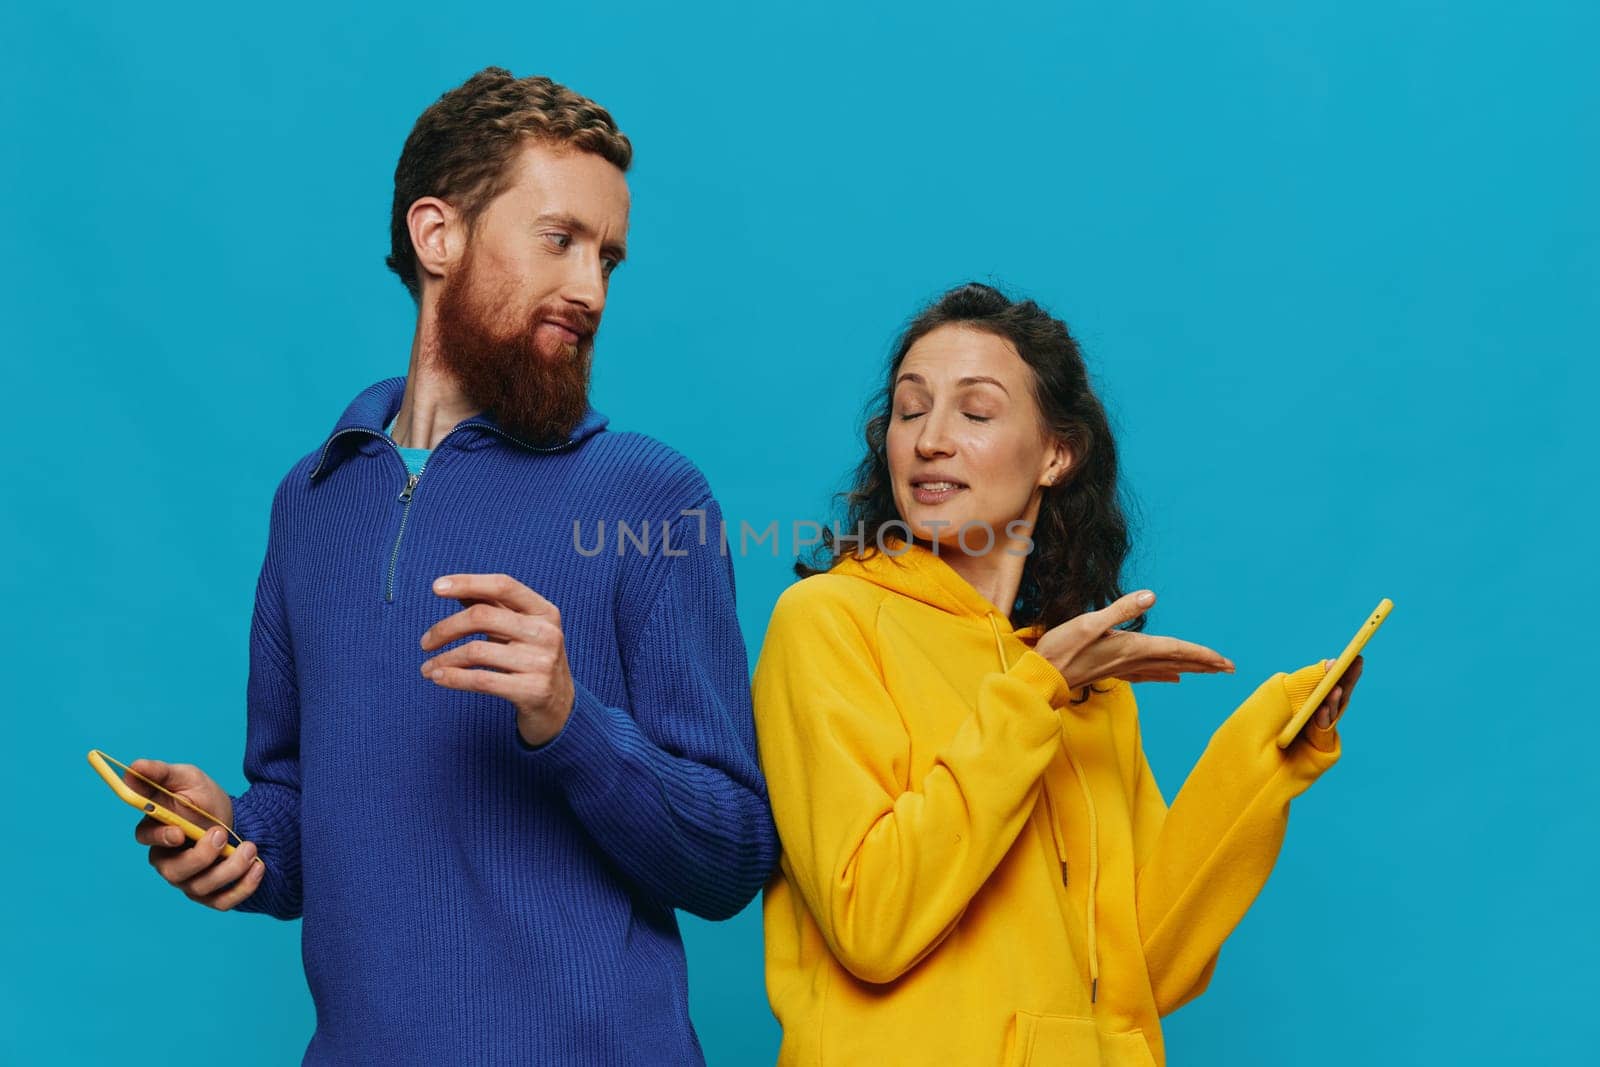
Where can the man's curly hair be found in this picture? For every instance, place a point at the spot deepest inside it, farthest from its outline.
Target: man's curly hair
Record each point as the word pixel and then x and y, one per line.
pixel 460 148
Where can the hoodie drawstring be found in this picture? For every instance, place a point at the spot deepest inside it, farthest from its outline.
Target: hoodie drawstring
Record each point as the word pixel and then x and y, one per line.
pixel 1059 837
pixel 1094 868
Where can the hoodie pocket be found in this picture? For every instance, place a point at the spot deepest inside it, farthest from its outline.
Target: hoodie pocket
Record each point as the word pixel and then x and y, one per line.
pixel 1069 1040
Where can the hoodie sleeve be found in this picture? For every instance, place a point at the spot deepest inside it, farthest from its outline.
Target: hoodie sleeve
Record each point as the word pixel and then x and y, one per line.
pixel 268 812
pixel 1201 864
pixel 669 787
pixel 887 865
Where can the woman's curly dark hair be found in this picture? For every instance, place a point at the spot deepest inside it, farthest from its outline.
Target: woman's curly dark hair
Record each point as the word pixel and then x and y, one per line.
pixel 1081 537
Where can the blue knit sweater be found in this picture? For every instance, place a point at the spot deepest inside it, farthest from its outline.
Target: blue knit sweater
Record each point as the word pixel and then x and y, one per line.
pixel 467 899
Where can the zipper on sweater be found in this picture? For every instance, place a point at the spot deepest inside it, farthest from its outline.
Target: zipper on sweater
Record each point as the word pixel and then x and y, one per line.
pixel 411 488
pixel 412 479
pixel 405 513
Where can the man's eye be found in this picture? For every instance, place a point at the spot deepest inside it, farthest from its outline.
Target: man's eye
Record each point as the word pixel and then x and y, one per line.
pixel 562 240
pixel 610 264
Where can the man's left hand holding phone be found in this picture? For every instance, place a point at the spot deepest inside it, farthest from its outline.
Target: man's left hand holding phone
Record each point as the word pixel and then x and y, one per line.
pixel 198 868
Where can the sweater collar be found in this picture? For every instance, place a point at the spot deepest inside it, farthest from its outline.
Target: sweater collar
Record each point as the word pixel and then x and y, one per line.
pixel 371 412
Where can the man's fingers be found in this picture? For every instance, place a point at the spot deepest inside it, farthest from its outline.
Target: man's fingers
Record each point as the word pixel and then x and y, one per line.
pixel 152 769
pixel 499 588
pixel 222 873
pixel 467 603
pixel 184 864
pixel 175 777
pixel 483 654
pixel 476 681
pixel 160 855
pixel 488 619
pixel 150 831
pixel 236 894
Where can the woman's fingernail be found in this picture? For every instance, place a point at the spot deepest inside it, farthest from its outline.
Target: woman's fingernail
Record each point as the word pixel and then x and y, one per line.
pixel 1147 597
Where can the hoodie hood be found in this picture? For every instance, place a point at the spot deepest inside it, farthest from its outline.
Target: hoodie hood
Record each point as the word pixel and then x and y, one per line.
pixel 910 569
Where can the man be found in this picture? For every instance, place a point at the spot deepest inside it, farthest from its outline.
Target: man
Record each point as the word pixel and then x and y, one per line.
pixel 486 766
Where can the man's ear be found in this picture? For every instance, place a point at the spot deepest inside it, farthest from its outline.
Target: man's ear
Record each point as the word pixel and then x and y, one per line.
pixel 437 236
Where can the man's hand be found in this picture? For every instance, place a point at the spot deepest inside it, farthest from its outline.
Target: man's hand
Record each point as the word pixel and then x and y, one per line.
pixel 198 868
pixel 524 656
pixel 1087 648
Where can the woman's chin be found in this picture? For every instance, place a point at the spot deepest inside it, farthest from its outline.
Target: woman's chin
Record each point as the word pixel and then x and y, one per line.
pixel 957 533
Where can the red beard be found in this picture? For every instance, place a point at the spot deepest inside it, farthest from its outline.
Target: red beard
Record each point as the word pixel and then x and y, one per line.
pixel 537 392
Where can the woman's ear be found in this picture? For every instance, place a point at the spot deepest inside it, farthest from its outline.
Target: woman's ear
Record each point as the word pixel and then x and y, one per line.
pixel 1058 464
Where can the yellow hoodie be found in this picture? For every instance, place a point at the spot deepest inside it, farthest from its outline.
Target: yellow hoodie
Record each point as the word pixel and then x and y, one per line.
pixel 975 869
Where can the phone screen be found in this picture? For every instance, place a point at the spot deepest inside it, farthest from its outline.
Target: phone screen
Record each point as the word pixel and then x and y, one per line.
pixel 171 801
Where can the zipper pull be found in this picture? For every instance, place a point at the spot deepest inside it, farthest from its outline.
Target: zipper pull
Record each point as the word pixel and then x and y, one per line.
pixel 411 483
pixel 1063 872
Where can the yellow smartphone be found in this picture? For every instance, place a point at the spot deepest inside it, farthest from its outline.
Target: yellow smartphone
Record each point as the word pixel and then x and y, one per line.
pixel 159 803
pixel 1331 679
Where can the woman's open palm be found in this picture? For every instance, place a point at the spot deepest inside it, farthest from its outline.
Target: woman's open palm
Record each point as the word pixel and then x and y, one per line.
pixel 1089 648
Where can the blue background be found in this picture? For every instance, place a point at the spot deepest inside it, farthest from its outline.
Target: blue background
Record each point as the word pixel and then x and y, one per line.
pixel 1334 266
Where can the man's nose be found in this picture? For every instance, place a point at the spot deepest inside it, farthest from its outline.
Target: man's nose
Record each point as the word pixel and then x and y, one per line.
pixel 585 284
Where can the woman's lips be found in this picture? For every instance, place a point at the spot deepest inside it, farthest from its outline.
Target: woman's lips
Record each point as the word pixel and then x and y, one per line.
pixel 935 492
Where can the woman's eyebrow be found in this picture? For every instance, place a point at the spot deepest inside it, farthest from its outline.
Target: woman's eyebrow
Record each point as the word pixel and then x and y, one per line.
pixel 984 379
pixel 980 379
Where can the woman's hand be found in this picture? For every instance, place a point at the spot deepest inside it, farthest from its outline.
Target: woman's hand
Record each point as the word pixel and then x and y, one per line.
pixel 1339 696
pixel 1089 648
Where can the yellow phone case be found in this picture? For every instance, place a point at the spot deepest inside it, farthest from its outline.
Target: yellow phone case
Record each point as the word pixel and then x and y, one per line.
pixel 102 765
pixel 1320 693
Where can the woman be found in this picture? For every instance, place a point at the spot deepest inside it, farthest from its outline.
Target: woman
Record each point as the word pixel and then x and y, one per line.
pixel 978 866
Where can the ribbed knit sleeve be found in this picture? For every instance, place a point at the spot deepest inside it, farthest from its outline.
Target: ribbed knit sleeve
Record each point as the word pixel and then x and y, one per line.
pixel 268 812
pixel 669 787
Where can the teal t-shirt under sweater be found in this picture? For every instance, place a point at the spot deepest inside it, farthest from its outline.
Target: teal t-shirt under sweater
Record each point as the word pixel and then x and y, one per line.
pixel 415 458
